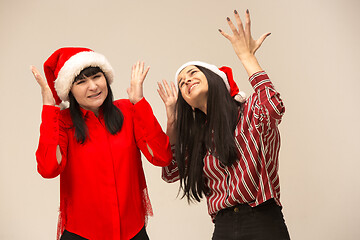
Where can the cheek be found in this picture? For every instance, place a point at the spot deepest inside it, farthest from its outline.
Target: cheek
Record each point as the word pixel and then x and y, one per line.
pixel 105 90
pixel 206 87
pixel 188 100
pixel 77 93
pixel 185 96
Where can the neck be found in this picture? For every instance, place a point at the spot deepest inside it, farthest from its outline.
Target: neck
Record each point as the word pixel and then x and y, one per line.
pixel 201 104
pixel 203 108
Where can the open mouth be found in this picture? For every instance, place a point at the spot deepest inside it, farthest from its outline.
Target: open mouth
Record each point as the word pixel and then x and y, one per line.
pixel 192 86
pixel 94 95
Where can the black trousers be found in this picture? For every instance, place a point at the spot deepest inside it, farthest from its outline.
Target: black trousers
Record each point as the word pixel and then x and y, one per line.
pixel 242 222
pixel 142 235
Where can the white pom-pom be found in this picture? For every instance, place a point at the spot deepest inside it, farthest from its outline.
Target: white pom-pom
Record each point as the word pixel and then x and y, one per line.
pixel 63 105
pixel 240 97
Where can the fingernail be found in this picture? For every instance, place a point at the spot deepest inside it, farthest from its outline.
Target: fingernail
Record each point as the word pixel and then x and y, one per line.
pixel 247 10
pixel 235 11
pixel 268 34
pixel 219 30
pixel 228 18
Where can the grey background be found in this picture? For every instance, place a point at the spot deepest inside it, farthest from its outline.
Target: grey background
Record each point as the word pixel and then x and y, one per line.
pixel 311 56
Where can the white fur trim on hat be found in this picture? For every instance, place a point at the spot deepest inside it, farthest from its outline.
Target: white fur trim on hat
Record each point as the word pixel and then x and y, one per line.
pixel 211 67
pixel 74 65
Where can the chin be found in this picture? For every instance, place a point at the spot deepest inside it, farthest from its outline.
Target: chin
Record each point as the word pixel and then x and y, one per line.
pixel 98 103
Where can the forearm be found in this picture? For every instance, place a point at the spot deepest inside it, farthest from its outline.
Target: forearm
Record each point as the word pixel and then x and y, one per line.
pixel 48 164
pixel 48 154
pixel 171 132
pixel 150 138
pixel 250 64
pixel 270 105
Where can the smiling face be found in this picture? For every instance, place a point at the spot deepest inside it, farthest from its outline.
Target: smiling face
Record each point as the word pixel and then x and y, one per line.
pixel 90 92
pixel 193 87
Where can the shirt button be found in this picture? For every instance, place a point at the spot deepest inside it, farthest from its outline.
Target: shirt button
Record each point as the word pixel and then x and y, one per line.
pixel 236 209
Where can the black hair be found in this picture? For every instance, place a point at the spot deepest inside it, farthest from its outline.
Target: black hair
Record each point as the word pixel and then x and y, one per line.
pixel 113 117
pixel 198 133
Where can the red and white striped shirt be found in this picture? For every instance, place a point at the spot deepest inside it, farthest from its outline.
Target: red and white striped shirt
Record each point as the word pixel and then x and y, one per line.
pixel 253 178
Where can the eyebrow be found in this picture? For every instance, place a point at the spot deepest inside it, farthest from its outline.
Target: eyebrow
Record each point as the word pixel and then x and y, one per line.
pixel 190 70
pixel 186 72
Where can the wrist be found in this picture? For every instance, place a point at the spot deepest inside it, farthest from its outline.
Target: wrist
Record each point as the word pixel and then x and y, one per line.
pixel 250 64
pixel 135 100
pixel 49 102
pixel 170 123
pixel 171 133
pixel 246 57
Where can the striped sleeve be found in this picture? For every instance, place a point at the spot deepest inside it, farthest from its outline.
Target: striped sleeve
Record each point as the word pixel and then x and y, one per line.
pixel 271 107
pixel 170 173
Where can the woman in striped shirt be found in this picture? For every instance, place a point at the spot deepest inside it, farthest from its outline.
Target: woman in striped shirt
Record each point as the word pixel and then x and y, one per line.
pixel 226 148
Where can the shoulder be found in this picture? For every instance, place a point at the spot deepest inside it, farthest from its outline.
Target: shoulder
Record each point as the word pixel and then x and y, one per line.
pixel 124 105
pixel 65 117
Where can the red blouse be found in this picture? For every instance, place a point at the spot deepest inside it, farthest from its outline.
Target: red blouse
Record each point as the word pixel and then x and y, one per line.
pixel 103 193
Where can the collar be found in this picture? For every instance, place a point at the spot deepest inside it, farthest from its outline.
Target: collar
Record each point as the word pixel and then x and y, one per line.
pixel 86 113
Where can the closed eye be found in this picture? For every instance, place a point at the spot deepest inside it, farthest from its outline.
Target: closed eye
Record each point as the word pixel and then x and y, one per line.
pixel 96 76
pixel 181 82
pixel 79 82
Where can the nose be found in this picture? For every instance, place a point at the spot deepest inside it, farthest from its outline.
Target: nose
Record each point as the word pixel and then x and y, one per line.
pixel 92 85
pixel 188 80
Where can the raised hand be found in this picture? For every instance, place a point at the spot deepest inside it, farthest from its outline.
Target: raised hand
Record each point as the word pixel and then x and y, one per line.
pixel 243 43
pixel 169 96
pixel 47 96
pixel 241 40
pixel 138 74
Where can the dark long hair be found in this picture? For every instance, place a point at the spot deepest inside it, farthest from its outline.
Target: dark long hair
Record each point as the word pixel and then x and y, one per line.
pixel 198 133
pixel 113 117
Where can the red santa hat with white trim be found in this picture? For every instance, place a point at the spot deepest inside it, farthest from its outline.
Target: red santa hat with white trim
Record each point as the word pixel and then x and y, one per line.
pixel 65 64
pixel 224 72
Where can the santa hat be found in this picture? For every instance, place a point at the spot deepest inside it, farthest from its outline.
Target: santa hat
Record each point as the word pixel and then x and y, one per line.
pixel 66 63
pixel 224 72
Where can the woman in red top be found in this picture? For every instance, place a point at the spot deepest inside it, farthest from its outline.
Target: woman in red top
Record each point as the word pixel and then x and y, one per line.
pixel 95 146
pixel 227 149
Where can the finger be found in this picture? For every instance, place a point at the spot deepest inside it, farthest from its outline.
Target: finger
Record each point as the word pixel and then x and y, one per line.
pixel 146 72
pixel 239 22
pixel 137 68
pixel 232 26
pixel 138 71
pixel 133 72
pixel 138 64
pixel 35 72
pixel 41 81
pixel 141 67
pixel 247 24
pixel 168 90
pixel 163 98
pixel 225 34
pixel 174 89
pixel 161 93
pixel 261 40
pixel 162 89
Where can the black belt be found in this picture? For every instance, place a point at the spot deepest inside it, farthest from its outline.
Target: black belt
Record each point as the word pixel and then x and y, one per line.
pixel 236 208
